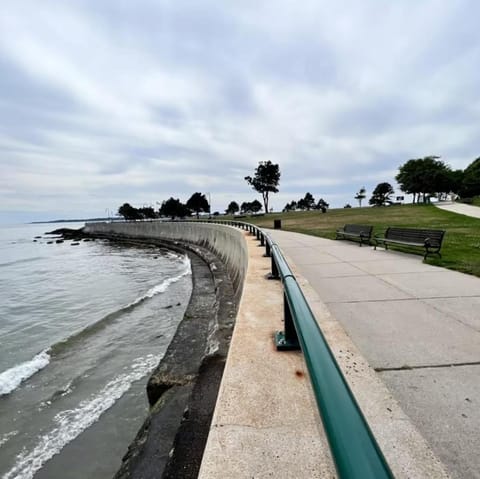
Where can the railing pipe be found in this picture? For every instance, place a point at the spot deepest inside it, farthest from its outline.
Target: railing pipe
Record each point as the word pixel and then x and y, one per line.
pixel 354 449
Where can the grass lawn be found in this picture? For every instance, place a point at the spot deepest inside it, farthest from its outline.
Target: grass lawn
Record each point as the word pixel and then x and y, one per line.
pixel 461 244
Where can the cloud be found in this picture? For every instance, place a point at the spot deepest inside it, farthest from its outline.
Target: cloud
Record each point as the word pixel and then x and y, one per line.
pixel 106 102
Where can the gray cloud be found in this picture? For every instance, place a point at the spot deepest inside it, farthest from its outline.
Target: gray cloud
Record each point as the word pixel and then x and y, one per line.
pixel 106 102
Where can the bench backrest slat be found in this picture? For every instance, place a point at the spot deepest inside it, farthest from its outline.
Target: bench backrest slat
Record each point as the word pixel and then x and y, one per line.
pixel 357 229
pixel 414 235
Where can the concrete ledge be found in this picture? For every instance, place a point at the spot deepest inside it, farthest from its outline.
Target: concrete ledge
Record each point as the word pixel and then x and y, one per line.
pixel 266 422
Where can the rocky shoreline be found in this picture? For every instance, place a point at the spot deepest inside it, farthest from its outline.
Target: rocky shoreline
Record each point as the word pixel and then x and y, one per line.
pixel 182 390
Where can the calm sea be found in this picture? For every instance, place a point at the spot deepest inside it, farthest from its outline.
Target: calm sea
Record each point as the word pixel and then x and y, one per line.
pixel 81 328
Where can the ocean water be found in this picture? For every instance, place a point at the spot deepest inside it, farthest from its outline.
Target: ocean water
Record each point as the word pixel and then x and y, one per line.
pixel 81 328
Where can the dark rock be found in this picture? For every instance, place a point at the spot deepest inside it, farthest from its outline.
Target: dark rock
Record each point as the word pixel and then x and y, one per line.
pixel 59 241
pixel 49 242
pixel 74 244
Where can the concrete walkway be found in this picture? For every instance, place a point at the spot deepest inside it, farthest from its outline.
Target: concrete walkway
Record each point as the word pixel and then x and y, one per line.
pixel 417 325
pixel 266 422
pixel 460 208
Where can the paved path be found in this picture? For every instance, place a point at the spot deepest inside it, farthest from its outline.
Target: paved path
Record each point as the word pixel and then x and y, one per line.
pixel 417 325
pixel 460 208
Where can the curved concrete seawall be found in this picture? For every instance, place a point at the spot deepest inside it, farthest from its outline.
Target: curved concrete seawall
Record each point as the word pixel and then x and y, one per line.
pixel 225 242
pixel 182 390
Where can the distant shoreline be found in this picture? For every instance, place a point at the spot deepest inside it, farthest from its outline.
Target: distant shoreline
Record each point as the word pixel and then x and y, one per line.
pixel 71 221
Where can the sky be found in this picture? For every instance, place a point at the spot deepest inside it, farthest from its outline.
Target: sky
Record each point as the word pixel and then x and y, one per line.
pixel 114 101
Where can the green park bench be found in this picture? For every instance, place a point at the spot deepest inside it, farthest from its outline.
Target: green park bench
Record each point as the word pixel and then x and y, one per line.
pixel 355 232
pixel 429 240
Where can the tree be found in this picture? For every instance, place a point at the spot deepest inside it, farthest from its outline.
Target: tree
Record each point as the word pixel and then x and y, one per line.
pixel 471 180
pixel 255 206
pixel 424 177
pixel 174 208
pixel 197 202
pixel 147 212
pixel 232 208
pixel 292 206
pixel 348 205
pixel 251 207
pixel 129 212
pixel 361 195
pixel 265 180
pixel 322 205
pixel 308 201
pixel 381 194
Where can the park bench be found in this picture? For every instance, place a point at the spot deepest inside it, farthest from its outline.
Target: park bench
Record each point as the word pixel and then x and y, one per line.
pixel 429 240
pixel 360 232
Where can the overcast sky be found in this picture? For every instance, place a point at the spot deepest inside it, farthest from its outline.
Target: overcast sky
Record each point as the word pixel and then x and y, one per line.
pixel 105 102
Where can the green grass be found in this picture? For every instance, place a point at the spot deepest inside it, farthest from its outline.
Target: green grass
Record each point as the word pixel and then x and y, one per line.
pixel 461 245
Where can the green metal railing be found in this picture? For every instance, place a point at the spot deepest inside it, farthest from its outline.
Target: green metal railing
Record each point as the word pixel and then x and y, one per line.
pixel 355 451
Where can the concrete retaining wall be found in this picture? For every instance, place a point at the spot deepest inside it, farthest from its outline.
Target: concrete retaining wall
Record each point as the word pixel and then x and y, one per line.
pixel 224 241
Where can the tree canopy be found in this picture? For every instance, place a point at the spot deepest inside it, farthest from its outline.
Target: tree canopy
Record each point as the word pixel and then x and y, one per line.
pixel 129 212
pixel 265 180
pixel 381 194
pixel 425 177
pixel 471 180
pixel 232 208
pixel 174 208
pixel 361 195
pixel 322 205
pixel 251 206
pixel 197 203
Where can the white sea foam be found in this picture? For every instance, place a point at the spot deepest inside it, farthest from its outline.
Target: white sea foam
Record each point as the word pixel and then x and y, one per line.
pixel 13 377
pixel 163 286
pixel 71 423
pixel 6 437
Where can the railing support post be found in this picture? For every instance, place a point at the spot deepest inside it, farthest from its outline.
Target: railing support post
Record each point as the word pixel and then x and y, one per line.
pixel 287 340
pixel 274 274
pixel 267 249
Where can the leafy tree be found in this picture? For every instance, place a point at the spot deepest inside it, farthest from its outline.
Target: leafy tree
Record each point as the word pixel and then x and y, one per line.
pixel 147 212
pixel 292 206
pixel 129 212
pixel 322 205
pixel 308 201
pixel 381 194
pixel 348 205
pixel 265 180
pixel 424 177
pixel 361 195
pixel 301 205
pixel 174 208
pixel 471 180
pixel 232 208
pixel 198 202
pixel 251 207
pixel 245 207
pixel 255 206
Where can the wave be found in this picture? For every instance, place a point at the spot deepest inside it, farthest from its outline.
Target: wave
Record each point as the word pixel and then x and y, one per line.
pixel 13 377
pixel 6 437
pixel 70 423
pixel 23 260
pixel 106 320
